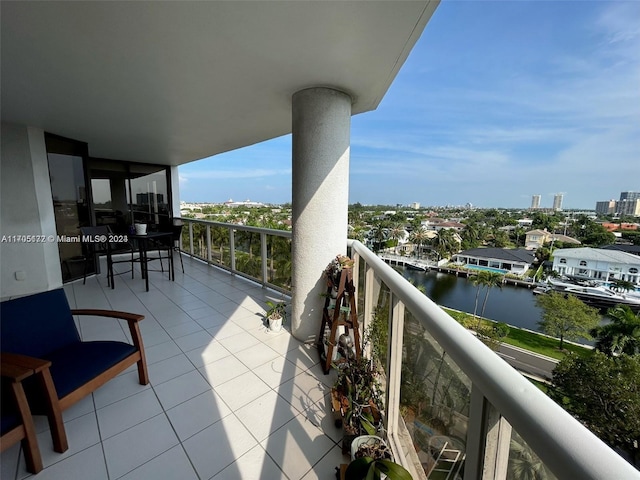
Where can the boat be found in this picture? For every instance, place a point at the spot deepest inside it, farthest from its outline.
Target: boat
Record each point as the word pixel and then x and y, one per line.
pixel 595 295
pixel 416 266
pixel 542 289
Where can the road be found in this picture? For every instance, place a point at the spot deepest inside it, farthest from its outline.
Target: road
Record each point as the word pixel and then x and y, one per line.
pixel 527 362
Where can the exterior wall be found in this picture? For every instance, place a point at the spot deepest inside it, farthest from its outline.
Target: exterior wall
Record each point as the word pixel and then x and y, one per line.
pixel 598 270
pixel 27 209
pixel 517 268
pixel 607 207
pixel 629 207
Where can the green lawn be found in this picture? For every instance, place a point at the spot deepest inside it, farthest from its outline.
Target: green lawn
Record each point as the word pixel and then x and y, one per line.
pixel 531 341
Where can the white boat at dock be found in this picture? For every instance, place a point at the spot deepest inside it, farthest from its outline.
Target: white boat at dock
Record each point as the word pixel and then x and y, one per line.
pixel 594 294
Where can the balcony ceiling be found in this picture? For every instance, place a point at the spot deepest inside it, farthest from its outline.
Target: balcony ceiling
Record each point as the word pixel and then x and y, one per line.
pixel 173 82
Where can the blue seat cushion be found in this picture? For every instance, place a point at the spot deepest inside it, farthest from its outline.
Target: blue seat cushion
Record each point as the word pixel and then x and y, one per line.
pixel 38 324
pixel 75 365
pixel 10 417
pixel 9 421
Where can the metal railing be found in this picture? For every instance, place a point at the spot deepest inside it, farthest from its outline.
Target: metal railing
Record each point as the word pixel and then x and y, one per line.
pixel 466 410
pixel 259 254
pixel 503 420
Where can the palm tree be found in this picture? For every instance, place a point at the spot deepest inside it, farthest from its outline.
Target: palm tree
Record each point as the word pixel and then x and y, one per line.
pixel 396 233
pixel 489 280
pixel 622 335
pixel 477 281
pixel 418 237
pixel 524 464
pixel 379 236
pixel 445 242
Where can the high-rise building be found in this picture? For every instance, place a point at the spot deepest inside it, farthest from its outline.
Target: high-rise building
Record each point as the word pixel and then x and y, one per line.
pixel 535 202
pixel 628 204
pixel 629 196
pixel 607 207
pixel 557 201
pixel 629 207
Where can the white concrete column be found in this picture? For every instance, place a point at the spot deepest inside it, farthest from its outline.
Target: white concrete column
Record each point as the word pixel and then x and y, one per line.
pixel 321 133
pixel 175 191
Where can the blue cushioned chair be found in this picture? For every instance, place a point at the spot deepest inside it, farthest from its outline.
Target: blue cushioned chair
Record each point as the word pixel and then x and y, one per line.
pixel 39 329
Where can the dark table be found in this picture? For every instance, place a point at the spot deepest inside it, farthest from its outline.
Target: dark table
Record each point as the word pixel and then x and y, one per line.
pixel 148 242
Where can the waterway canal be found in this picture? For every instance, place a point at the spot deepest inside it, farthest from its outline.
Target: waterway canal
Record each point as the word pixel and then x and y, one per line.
pixel 512 305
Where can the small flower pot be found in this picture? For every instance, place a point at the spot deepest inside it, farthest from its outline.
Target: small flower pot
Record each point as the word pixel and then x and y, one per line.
pixel 370 441
pixel 275 324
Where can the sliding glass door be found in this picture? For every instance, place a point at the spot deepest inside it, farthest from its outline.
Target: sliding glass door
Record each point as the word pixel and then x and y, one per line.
pixel 70 203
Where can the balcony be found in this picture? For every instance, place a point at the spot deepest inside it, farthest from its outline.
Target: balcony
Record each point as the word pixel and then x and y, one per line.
pixel 228 399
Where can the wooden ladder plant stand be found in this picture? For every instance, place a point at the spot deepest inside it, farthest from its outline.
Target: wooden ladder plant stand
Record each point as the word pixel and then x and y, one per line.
pixel 342 314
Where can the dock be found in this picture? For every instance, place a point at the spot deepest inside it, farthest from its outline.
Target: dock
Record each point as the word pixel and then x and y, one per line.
pixel 427 265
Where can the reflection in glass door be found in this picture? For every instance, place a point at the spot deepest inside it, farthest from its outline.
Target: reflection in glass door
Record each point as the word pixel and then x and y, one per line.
pixel 71 209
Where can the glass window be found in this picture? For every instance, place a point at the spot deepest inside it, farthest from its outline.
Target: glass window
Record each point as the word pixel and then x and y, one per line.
pixel 633 270
pixel 126 193
pixel 583 263
pixel 563 260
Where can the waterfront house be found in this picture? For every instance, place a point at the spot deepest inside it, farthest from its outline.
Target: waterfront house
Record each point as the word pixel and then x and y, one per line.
pixel 101 102
pixel 597 264
pixel 538 238
pixel 506 260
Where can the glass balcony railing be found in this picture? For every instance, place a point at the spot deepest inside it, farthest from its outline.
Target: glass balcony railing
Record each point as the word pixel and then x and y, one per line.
pixel 454 408
pixel 260 254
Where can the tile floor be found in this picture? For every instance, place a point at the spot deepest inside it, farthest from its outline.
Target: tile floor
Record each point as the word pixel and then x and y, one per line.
pixel 227 399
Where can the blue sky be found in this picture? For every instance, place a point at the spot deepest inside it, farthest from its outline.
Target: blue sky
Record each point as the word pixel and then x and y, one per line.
pixel 498 101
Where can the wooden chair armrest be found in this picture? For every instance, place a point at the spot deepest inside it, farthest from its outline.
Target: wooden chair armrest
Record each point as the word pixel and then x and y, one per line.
pixel 14 372
pixel 129 317
pixel 33 364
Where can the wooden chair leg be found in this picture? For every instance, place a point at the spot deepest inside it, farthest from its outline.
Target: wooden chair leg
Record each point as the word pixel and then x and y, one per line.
pixel 29 442
pixel 54 413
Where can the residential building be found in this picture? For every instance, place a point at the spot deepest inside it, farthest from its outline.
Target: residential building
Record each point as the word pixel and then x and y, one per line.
pixel 621 227
pixel 632 249
pixel 629 196
pixel 629 207
pixel 557 202
pixel 607 207
pixel 114 96
pixel 535 202
pixel 516 261
pixel 538 238
pixel 597 264
pixel 525 222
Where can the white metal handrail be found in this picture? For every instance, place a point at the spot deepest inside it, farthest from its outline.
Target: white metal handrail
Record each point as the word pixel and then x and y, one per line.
pixel 232 229
pixel 565 446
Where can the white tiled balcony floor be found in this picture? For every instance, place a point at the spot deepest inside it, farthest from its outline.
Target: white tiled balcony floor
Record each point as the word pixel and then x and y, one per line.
pixel 227 399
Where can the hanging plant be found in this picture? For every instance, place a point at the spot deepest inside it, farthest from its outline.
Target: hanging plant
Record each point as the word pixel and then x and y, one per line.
pixel 335 267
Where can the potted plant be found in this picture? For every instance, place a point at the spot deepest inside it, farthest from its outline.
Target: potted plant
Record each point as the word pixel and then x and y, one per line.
pixel 365 468
pixel 370 446
pixel 334 269
pixel 276 314
pixel 358 394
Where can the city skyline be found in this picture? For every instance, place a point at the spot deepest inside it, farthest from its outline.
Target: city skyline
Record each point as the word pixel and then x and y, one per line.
pixel 533 98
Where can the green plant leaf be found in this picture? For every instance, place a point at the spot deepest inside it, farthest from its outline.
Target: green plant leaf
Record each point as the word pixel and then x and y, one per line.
pixel 392 470
pixel 366 468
